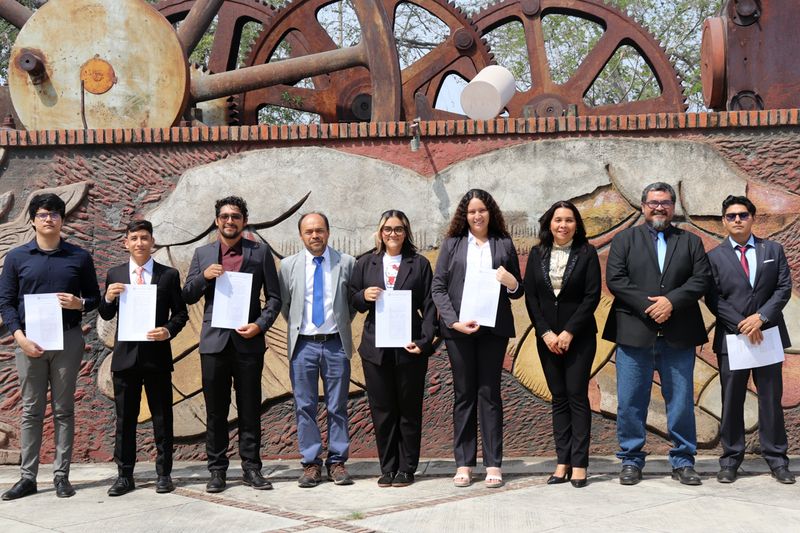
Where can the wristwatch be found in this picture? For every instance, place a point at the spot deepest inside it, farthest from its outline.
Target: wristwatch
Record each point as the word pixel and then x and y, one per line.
pixel 83 303
pixel 763 318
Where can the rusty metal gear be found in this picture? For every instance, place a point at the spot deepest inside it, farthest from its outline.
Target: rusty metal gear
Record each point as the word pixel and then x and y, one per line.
pixel 218 112
pixel 346 95
pixel 547 98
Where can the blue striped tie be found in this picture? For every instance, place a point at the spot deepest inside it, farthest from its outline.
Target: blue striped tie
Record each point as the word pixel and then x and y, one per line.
pixel 318 303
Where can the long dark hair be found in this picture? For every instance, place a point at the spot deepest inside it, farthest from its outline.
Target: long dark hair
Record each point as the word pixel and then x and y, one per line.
pixel 408 248
pixel 546 236
pixel 458 224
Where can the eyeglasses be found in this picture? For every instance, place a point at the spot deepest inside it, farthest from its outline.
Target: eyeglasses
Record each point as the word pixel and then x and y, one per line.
pixel 230 216
pixel 397 230
pixel 655 204
pixel 45 216
pixel 744 215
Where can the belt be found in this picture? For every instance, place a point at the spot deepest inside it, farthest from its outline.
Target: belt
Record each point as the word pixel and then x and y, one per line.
pixel 320 337
pixel 659 333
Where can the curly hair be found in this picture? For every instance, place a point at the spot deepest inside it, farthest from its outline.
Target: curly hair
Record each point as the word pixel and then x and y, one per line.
pixel 458 224
pixel 546 236
pixel 408 248
pixel 233 201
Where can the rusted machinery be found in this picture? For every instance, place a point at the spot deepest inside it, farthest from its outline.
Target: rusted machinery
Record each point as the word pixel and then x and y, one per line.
pixel 749 56
pixel 123 63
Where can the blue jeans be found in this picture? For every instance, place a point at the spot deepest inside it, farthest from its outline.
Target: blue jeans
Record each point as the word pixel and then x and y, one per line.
pixel 635 368
pixel 312 359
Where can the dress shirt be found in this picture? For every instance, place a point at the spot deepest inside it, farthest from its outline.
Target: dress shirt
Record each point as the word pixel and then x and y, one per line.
pixel 559 255
pixel 750 255
pixel 329 326
pixel 29 270
pixel 147 273
pixel 230 257
pixel 479 258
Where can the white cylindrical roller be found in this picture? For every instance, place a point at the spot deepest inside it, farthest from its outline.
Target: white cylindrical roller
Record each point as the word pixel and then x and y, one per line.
pixel 488 93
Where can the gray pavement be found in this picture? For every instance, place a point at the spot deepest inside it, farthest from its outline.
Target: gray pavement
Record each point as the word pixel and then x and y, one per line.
pixel 754 503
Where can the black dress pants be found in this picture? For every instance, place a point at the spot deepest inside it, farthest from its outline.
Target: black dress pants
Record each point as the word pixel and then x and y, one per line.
pixel 771 429
pixel 567 377
pixel 477 362
pixel 395 393
pixel 243 370
pixel 128 385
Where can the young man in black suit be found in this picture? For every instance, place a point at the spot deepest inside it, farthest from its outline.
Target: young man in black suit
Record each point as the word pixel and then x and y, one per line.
pixel 145 364
pixel 657 273
pixel 752 285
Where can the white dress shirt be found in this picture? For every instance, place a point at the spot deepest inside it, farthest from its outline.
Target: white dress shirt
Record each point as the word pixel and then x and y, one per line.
pixel 307 327
pixel 750 254
pixel 147 274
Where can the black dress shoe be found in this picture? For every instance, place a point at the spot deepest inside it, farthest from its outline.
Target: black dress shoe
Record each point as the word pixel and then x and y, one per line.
pixel 403 479
pixel 63 487
pixel 726 475
pixel 217 481
pixel 630 475
pixel 164 484
pixel 23 487
pixel 556 480
pixel 686 475
pixel 253 478
pixel 783 475
pixel 123 485
pixel 386 480
pixel 579 483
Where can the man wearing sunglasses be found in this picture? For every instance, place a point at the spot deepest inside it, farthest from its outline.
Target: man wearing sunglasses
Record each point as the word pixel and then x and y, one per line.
pixel 47 264
pixel 234 355
pixel 752 285
pixel 657 272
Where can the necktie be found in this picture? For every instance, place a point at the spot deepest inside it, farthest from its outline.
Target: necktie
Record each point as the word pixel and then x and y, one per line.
pixel 139 275
pixel 661 250
pixel 743 260
pixel 318 303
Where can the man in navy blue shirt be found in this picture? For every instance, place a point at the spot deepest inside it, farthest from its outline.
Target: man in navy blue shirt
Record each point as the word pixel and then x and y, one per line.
pixel 47 264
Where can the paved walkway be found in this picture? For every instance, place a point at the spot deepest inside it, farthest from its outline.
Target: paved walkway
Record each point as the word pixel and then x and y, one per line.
pixel 754 503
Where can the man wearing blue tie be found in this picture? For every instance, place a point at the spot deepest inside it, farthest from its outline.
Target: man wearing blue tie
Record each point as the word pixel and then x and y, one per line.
pixel 314 292
pixel 657 272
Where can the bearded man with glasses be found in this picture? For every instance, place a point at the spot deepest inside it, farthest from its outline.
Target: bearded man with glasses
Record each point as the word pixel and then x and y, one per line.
pixel 657 272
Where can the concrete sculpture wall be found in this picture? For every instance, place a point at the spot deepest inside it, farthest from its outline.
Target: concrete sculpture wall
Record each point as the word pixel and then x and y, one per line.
pixel 353 173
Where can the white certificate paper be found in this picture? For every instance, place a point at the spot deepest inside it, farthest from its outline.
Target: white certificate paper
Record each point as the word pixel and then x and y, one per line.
pixel 137 312
pixel 480 297
pixel 232 300
pixel 44 324
pixel 743 354
pixel 393 319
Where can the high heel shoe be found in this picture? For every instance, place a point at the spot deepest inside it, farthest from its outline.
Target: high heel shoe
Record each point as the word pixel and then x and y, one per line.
pixel 556 480
pixel 578 483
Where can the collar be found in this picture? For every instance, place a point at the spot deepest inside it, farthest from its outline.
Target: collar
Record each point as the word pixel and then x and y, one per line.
pixel 326 255
pixel 751 242
pixel 565 248
pixel 654 232
pixel 236 249
pixel 148 267
pixel 471 239
pixel 33 247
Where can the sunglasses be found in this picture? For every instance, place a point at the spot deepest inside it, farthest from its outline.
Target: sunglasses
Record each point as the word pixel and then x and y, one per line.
pixel 230 216
pixel 743 216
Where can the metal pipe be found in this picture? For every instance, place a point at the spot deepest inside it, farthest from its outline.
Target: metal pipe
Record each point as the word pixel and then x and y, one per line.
pixel 14 12
pixel 287 71
pixel 197 21
pixel 33 64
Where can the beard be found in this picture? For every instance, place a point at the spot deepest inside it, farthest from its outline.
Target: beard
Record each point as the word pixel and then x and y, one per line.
pixel 660 224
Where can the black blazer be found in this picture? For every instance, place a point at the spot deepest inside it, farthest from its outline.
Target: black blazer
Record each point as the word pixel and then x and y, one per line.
pixel 732 299
pixel 171 313
pixel 257 260
pixel 414 275
pixel 448 284
pixel 573 309
pixel 632 275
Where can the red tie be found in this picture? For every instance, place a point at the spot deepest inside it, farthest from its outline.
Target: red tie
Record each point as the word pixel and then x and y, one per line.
pixel 743 259
pixel 140 278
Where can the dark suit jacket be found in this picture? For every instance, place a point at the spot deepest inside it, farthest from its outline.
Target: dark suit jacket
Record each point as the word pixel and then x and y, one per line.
pixel 732 299
pixel 632 275
pixel 573 309
pixel 415 275
pixel 448 284
pixel 170 313
pixel 257 260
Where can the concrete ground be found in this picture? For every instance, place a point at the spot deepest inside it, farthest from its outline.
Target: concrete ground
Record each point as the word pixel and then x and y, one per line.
pixel 754 503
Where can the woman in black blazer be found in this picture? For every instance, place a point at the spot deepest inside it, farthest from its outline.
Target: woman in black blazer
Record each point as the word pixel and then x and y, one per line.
pixel 477 240
pixel 562 290
pixel 395 376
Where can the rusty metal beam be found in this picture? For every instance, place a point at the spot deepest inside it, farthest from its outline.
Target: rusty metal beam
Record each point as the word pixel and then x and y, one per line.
pixel 14 12
pixel 287 71
pixel 197 22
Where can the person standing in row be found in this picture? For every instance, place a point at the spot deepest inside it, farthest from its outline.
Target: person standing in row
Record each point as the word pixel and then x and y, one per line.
pixel 145 364
pixel 657 273
pixel 233 355
pixel 562 290
pixel 476 241
pixel 319 342
pixel 395 377
pixel 752 285
pixel 47 264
